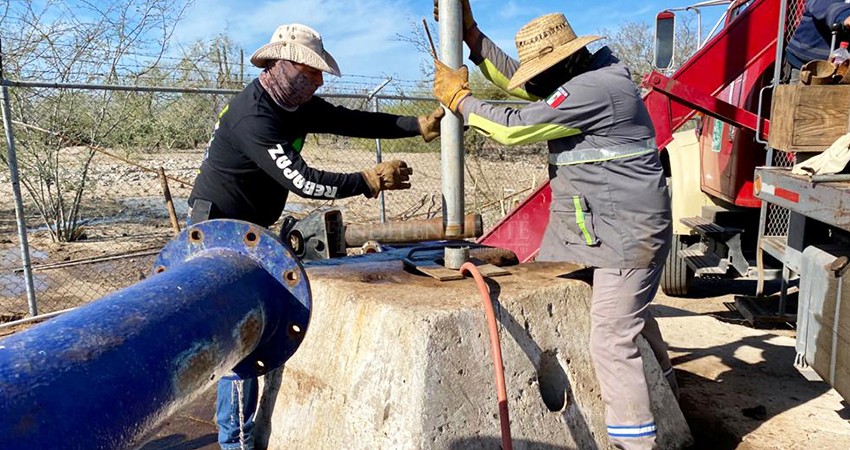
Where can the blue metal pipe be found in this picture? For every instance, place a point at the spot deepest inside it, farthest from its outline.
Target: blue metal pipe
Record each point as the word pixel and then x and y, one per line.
pixel 101 376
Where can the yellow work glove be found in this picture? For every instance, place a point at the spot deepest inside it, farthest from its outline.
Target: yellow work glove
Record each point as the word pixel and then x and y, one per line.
pixel 450 86
pixel 429 126
pixel 387 176
pixel 468 20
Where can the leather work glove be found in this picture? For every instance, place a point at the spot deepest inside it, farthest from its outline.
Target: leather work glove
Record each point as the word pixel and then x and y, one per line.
pixel 429 126
pixel 387 176
pixel 450 86
pixel 468 20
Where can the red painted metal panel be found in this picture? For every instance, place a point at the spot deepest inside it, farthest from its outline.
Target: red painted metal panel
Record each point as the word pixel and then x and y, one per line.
pixel 522 229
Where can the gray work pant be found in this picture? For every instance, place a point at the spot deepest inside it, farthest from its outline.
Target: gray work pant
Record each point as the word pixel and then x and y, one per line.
pixel 619 313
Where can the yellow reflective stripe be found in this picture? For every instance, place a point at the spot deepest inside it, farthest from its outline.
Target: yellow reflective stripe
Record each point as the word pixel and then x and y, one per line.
pixel 519 135
pixel 585 161
pixel 501 81
pixel 224 111
pixel 580 220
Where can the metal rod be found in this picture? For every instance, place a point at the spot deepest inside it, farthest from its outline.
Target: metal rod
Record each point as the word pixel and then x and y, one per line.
pixel 780 45
pixel 430 39
pixel 783 290
pixel 81 262
pixel 38 318
pixel 836 178
pixel 169 203
pixel 379 157
pixel 762 232
pixel 409 231
pixel 12 160
pixel 451 127
pixel 373 98
pixel 699 24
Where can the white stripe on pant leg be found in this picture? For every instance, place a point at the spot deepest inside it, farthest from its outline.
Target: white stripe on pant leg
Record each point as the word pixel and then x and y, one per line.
pixel 668 372
pixel 648 429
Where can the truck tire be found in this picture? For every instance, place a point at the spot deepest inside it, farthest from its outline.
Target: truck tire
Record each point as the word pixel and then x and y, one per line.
pixel 677 276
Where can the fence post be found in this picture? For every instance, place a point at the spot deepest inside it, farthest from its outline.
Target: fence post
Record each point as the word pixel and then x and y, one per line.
pixel 378 159
pixel 373 96
pixel 16 191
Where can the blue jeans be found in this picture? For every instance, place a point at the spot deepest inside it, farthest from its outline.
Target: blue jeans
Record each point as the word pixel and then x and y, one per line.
pixel 227 413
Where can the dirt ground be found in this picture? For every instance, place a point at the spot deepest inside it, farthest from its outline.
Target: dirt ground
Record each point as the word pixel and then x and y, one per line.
pixel 739 388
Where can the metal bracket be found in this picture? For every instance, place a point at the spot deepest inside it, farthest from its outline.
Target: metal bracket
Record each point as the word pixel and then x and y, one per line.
pixel 432 264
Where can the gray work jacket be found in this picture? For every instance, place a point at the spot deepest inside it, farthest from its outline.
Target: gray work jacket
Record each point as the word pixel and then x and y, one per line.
pixel 610 202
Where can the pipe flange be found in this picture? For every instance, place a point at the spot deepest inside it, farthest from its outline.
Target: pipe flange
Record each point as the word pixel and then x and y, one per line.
pixel 274 256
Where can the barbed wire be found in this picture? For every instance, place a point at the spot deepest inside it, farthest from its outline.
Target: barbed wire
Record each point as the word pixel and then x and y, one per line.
pixel 168 68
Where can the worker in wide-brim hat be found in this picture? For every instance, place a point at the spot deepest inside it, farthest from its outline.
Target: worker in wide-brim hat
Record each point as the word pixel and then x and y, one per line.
pixel 610 206
pixel 254 161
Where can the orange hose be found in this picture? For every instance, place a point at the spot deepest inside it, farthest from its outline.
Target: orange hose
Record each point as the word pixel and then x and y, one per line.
pixel 496 350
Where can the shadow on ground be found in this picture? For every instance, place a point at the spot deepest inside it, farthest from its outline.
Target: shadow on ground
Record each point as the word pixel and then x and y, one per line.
pixel 737 401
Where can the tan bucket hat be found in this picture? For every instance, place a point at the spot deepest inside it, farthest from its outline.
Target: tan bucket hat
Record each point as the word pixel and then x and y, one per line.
pixel 297 43
pixel 544 42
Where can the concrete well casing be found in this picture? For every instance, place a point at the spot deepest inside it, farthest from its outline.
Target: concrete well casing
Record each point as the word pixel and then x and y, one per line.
pixel 394 360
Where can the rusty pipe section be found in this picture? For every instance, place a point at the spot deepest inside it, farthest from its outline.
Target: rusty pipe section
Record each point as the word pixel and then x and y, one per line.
pixel 410 231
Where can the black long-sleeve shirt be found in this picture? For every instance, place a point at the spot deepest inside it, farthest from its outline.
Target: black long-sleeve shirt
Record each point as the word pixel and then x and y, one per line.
pixel 254 159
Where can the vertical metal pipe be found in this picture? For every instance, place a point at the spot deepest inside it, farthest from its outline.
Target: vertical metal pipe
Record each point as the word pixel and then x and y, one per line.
pixel 763 210
pixel 372 97
pixel 19 202
pixel 780 46
pixel 378 158
pixel 451 127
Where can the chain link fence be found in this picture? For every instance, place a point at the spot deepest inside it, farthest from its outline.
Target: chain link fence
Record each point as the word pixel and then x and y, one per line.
pixel 776 217
pixel 95 215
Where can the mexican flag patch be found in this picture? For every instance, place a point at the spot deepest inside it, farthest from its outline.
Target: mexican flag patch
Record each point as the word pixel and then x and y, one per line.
pixel 557 97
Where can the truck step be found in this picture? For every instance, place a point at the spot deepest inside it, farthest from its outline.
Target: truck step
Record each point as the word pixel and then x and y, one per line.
pixel 703 264
pixel 706 227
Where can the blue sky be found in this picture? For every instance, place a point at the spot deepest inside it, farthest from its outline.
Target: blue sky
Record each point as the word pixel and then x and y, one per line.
pixel 361 34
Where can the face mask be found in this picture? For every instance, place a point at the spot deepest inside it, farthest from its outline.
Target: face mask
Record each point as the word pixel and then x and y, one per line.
pixel 287 85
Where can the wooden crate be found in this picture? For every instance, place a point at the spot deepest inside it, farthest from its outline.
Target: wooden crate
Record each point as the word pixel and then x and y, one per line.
pixel 808 118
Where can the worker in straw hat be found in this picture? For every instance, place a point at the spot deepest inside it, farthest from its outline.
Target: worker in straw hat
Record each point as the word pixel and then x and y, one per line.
pixel 610 206
pixel 254 161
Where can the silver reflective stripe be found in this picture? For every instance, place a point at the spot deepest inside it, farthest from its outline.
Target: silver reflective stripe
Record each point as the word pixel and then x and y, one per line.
pixel 586 155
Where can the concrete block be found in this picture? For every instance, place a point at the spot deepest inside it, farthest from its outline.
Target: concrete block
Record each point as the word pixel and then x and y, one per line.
pixel 394 360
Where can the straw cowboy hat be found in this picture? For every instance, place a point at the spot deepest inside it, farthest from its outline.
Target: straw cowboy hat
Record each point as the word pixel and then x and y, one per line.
pixel 544 42
pixel 296 43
